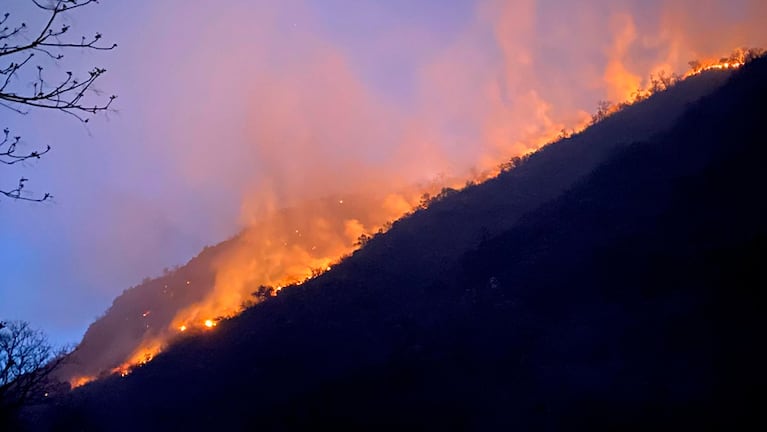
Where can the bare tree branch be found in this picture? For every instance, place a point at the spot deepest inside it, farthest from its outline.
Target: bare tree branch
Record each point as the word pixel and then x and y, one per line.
pixel 18 193
pixel 9 154
pixel 25 85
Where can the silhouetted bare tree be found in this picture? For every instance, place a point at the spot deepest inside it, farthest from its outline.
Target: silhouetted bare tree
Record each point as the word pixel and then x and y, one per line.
pixel 752 54
pixel 27 361
pixel 604 109
pixel 25 85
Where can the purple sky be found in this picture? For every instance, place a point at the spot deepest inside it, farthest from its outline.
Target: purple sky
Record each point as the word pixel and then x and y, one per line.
pixel 226 105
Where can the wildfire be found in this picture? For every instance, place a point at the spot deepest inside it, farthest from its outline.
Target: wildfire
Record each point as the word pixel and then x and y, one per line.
pixel 726 65
pixel 80 381
pixel 143 355
pixel 737 59
pixel 663 81
pixel 294 248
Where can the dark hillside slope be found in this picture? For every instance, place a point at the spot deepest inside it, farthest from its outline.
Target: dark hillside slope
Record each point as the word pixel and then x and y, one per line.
pixel 639 289
pixel 627 303
pixel 437 236
pixel 491 208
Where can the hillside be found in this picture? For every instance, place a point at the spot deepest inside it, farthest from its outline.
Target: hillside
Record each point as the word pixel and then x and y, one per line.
pixel 146 311
pixel 606 283
pixel 492 207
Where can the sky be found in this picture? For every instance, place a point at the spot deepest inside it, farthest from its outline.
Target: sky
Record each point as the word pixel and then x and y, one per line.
pixel 227 110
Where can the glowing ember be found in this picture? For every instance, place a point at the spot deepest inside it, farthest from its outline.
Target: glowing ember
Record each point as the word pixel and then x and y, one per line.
pixel 182 328
pixel 209 323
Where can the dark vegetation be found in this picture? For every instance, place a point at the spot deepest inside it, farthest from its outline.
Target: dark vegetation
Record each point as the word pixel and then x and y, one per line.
pixel 608 282
pixel 27 361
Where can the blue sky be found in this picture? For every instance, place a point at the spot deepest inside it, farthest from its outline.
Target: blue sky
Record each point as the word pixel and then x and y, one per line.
pixel 219 101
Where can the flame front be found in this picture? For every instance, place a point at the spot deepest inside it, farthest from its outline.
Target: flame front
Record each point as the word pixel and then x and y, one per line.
pixel 289 250
pixel 80 381
pixel 737 59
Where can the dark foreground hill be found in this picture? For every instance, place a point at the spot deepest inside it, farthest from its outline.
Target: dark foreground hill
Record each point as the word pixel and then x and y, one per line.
pixel 621 297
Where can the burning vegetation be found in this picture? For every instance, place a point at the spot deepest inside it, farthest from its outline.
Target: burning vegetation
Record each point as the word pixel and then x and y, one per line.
pixel 292 246
pixel 664 80
pixel 737 59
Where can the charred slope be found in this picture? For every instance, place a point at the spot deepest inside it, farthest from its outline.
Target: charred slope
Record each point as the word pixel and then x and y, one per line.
pixel 626 303
pixel 420 249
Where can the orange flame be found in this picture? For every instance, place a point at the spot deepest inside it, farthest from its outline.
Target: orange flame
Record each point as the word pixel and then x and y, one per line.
pixel 737 59
pixel 80 381
pixel 143 355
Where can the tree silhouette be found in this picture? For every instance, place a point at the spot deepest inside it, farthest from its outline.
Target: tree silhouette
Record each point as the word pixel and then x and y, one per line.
pixel 25 85
pixel 27 361
pixel 604 109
